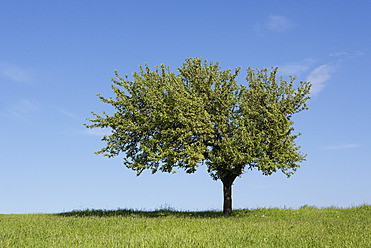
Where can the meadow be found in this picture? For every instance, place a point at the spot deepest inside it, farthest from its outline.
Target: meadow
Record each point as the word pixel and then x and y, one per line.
pixel 273 227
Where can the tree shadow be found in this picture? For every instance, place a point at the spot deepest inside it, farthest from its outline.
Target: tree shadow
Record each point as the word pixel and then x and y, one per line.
pixel 147 214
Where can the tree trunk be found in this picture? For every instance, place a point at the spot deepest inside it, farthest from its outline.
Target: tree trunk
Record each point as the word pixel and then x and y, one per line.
pixel 227 192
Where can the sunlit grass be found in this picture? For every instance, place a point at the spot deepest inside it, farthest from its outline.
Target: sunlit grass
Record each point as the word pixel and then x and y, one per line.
pixel 305 227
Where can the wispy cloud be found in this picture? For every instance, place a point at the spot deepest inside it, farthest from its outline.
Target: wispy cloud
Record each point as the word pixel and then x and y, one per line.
pixel 347 55
pixel 15 73
pixel 69 114
pixel 97 132
pixel 22 109
pixel 278 23
pixel 319 76
pixel 296 68
pixel 342 147
pixel 293 69
pixel 337 54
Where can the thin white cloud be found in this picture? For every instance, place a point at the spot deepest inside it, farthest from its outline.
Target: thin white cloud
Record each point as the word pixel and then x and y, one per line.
pixel 342 147
pixel 347 55
pixel 98 132
pixel 319 76
pixel 22 109
pixel 69 114
pixel 278 23
pixel 295 69
pixel 15 73
pixel 337 54
pixel 359 53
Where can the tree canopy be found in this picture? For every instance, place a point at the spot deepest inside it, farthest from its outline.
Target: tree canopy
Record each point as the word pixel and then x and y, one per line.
pixel 164 121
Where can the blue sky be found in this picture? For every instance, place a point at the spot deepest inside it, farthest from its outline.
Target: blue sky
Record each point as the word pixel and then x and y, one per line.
pixel 55 56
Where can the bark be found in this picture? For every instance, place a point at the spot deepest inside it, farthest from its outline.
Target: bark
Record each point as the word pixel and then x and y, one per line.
pixel 227 193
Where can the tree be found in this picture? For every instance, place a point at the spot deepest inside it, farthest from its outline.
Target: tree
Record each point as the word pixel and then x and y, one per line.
pixel 165 121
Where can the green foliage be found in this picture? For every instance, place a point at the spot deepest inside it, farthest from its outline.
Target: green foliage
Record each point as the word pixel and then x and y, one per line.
pixel 305 227
pixel 164 121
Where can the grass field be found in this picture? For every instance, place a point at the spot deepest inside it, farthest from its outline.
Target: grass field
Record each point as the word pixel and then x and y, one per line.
pixel 305 227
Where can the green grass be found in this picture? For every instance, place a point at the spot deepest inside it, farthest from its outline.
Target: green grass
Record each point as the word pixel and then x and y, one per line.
pixel 305 227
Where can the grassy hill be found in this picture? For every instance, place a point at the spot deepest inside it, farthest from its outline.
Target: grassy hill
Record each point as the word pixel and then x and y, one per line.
pixel 304 227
